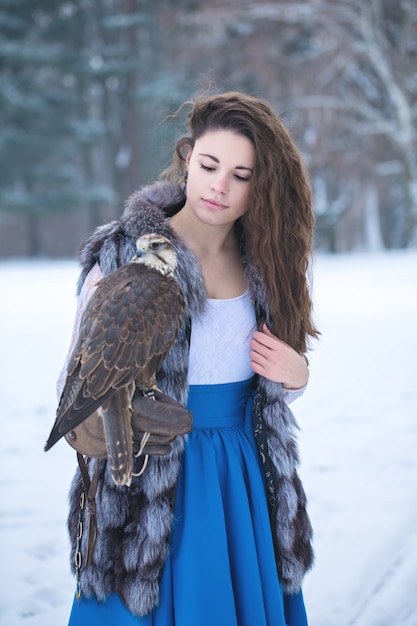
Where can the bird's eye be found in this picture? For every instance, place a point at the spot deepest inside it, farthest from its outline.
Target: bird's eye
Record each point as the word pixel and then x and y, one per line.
pixel 155 245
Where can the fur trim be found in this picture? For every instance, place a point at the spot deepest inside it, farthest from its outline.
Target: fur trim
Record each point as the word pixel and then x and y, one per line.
pixel 134 531
pixel 135 523
pixel 290 523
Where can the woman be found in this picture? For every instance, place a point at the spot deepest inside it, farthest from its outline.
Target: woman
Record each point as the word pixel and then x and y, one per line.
pixel 215 531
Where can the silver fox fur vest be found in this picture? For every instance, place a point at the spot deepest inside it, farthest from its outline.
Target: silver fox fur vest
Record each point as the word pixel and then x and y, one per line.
pixel 134 524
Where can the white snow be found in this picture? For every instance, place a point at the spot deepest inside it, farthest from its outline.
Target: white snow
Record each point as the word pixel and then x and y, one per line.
pixel 358 442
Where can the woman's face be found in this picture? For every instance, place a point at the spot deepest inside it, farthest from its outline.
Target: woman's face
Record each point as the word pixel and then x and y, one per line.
pixel 220 168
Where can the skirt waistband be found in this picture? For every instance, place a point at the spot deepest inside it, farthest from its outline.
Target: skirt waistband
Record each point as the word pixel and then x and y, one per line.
pixel 219 406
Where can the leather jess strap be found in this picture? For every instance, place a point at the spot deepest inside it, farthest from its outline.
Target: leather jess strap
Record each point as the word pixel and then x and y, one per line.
pixel 90 489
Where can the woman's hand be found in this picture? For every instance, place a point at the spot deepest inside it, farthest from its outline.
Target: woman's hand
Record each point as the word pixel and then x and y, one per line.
pixel 276 360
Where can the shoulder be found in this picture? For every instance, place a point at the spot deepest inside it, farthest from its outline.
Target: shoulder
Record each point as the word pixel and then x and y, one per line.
pixel 146 210
pixel 149 207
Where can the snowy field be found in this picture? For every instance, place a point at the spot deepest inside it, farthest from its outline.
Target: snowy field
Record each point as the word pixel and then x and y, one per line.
pixel 358 442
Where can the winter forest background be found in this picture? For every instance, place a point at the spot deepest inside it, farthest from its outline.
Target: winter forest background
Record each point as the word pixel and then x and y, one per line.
pixel 86 87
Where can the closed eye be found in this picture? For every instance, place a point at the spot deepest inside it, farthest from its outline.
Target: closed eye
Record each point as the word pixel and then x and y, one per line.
pixel 207 168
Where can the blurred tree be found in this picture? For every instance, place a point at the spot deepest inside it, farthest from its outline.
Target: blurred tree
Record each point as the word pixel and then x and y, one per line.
pixel 34 108
pixel 69 108
pixel 365 80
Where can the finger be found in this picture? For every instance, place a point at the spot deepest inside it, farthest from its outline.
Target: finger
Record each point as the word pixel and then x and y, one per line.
pixel 274 339
pixel 261 341
pixel 257 368
pixel 267 338
pixel 260 353
pixel 266 330
pixel 258 357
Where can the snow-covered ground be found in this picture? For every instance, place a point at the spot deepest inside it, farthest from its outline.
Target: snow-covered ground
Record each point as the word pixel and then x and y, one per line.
pixel 358 442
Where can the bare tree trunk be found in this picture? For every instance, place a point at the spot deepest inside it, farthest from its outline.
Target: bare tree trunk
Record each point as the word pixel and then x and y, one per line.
pixel 373 241
pixel 402 134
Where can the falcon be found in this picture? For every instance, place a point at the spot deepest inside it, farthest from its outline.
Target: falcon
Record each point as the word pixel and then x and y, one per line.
pixel 126 331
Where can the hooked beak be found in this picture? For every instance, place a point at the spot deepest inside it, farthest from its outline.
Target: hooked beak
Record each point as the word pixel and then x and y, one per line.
pixel 141 252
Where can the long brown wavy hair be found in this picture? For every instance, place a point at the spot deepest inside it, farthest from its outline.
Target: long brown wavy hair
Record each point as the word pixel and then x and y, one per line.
pixel 278 227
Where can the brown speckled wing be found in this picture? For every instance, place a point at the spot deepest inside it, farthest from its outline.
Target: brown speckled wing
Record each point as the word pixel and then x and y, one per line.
pixel 127 328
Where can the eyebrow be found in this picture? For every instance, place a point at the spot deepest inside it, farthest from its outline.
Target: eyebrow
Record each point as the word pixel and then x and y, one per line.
pixel 238 167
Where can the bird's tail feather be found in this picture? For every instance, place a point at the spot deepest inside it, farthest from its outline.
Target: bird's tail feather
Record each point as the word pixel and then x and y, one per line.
pixel 116 414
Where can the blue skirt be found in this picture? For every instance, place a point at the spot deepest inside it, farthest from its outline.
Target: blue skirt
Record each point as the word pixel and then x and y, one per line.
pixel 221 569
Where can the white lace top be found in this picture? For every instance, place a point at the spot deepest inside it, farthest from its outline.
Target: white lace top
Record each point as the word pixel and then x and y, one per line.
pixel 219 347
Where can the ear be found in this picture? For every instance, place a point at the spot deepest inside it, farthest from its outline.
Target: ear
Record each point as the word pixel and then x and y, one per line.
pixel 188 156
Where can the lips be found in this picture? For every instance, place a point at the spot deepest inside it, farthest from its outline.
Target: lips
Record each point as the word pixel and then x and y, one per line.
pixel 214 204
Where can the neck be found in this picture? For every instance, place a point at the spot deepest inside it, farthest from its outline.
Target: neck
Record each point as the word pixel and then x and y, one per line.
pixel 206 240
pixel 217 250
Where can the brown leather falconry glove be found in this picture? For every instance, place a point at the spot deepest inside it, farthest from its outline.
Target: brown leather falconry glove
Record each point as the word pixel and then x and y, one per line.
pixel 162 417
pixel 156 420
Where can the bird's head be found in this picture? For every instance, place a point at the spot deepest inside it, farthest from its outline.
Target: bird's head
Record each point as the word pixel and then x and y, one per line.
pixel 157 252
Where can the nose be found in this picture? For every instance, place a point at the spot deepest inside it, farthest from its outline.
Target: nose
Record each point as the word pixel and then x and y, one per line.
pixel 219 183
